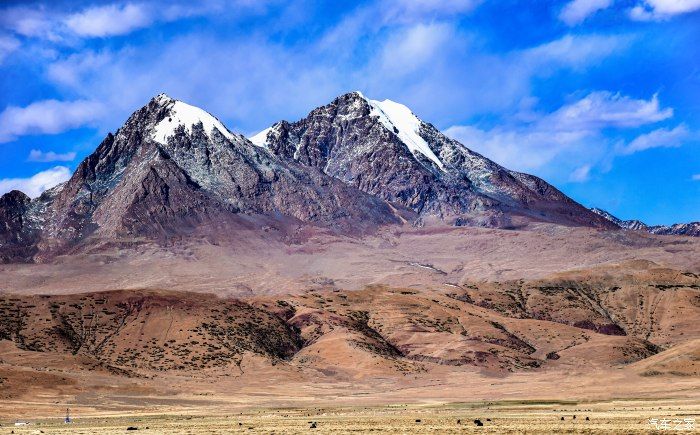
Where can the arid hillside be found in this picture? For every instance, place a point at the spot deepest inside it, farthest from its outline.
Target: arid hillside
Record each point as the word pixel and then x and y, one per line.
pixel 634 324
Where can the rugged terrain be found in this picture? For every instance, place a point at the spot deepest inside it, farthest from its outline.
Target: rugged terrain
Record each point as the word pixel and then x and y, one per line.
pixel 382 148
pixel 355 257
pixel 174 171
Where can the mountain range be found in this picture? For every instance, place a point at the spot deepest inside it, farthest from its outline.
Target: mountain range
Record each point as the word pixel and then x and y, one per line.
pixel 688 229
pixel 350 167
pixel 357 255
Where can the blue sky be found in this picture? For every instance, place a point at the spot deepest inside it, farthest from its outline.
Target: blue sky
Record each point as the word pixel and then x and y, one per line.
pixel 599 97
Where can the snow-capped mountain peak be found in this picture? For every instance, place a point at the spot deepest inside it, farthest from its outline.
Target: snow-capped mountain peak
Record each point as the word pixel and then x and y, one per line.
pixel 382 148
pixel 395 117
pixel 399 119
pixel 260 139
pixel 183 114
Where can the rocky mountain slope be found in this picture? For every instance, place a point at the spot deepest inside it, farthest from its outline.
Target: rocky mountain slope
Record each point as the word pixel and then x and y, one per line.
pixel 689 229
pixel 382 148
pixel 353 166
pixel 173 169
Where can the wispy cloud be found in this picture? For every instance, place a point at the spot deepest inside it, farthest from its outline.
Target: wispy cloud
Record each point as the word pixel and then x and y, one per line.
pixel 576 11
pixel 409 11
pixel 521 147
pixel 50 156
pixel 8 44
pixel 604 109
pixel 437 64
pixel 696 177
pixel 648 10
pixel 574 51
pixel 265 82
pixel 414 47
pixel 37 183
pixel 580 174
pixel 532 141
pixel 456 79
pixel 659 138
pixel 106 20
pixel 69 72
pixel 35 22
pixel 47 116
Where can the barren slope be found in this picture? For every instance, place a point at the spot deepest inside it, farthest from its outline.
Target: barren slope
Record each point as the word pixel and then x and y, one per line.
pixel 256 261
pixel 378 339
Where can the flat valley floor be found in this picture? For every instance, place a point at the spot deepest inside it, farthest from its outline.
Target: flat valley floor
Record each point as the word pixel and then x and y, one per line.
pixel 504 417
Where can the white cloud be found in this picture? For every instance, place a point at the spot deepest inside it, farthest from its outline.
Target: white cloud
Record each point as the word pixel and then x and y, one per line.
pixel 457 78
pixel 38 183
pixel 604 109
pixel 26 21
pixel 109 20
pixel 580 174
pixel 641 13
pixel 414 47
pixel 461 80
pixel 47 116
pixel 569 134
pixel 696 177
pixel 659 138
pixel 70 71
pixel 648 10
pixel 8 44
pixel 522 148
pixel 50 156
pixel 435 67
pixel 674 6
pixel 573 51
pixel 576 11
pixel 190 68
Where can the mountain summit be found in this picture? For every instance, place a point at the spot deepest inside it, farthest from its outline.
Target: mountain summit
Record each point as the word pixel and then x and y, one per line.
pixel 382 148
pixel 174 169
pixel 350 167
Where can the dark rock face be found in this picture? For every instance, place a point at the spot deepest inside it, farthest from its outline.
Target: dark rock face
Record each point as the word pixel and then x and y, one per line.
pixel 383 149
pixel 15 240
pixel 170 169
pixel 632 224
pixel 690 229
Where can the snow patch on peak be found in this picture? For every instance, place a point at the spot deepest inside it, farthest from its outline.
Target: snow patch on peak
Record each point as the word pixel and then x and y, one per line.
pixel 399 119
pixel 163 98
pixel 183 114
pixel 260 139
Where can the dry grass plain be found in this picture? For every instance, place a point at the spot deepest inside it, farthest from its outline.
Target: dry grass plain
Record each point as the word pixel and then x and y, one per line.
pixel 505 417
